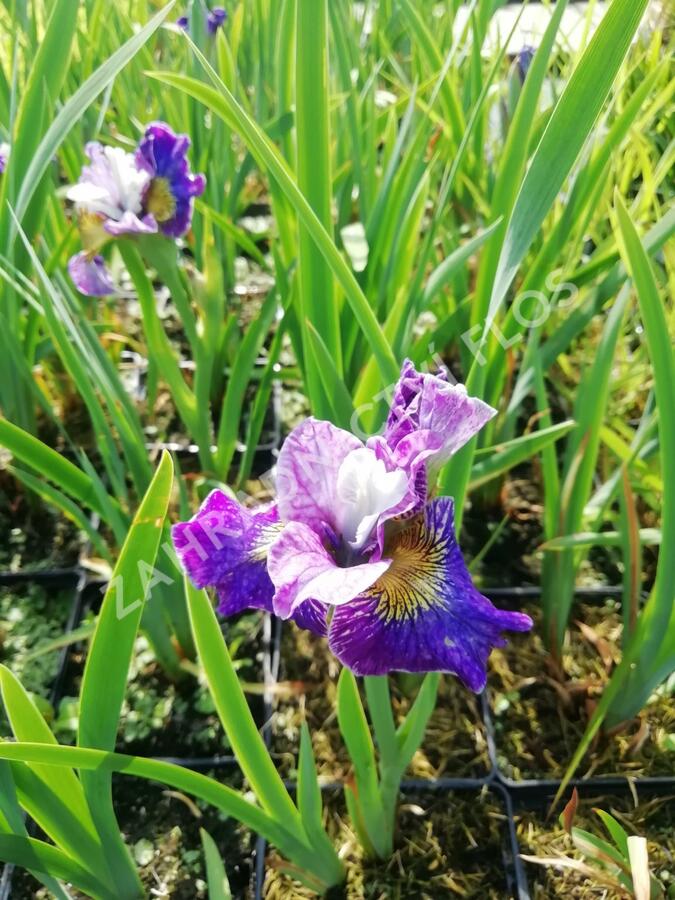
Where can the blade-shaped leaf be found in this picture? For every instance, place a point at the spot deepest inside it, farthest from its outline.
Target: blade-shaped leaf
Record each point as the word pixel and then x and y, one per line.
pixel 223 104
pixel 493 461
pixel 229 801
pixel 39 856
pixel 107 666
pixel 74 108
pixel 216 876
pixel 566 132
pixel 356 734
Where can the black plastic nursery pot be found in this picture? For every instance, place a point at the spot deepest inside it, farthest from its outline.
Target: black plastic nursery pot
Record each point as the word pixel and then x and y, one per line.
pixel 519 797
pixel 530 799
pixel 645 807
pixel 498 812
pixel 455 741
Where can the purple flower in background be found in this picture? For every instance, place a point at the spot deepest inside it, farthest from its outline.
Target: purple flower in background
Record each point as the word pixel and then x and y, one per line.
pixel 90 275
pixel 524 60
pixel 171 186
pixel 122 193
pixel 216 18
pixel 108 197
pixel 354 548
pixel 4 156
pixel 108 201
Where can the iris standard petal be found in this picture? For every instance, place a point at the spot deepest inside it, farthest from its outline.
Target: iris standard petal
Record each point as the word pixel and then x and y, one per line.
pixel 302 569
pixel 423 614
pixel 90 275
pixel 307 472
pixel 367 492
pixel 225 546
pixel 111 185
pixel 431 418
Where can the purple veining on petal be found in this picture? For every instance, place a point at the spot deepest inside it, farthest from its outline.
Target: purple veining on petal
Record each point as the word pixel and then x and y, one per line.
pixel 424 614
pixel 431 419
pixel 90 275
pixel 169 196
pixel 307 472
pixel 225 546
pixel 311 615
pixel 302 569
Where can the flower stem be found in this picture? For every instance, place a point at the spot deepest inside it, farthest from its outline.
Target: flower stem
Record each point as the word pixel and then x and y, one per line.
pixel 384 726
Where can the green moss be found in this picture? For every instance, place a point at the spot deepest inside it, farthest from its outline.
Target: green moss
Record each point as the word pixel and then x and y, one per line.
pixel 30 616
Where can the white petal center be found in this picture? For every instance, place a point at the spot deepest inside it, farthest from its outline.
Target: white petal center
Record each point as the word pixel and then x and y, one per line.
pixel 111 185
pixel 365 490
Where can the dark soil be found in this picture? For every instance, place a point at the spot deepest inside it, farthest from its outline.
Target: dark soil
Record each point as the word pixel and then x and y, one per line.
pixel 161 828
pixel 653 819
pixel 540 710
pixel 35 536
pixel 511 559
pixel 454 744
pixel 447 846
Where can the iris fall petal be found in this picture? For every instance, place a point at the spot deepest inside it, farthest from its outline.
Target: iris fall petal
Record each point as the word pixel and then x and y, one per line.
pixel 423 614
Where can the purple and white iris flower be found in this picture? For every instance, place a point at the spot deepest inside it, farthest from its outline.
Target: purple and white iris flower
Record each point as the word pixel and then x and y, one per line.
pixel 355 548
pixel 121 193
pixel 4 156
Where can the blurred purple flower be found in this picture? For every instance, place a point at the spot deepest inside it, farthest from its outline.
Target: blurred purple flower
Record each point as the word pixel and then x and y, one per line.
pixel 111 189
pixel 108 202
pixel 90 275
pixel 4 156
pixel 524 60
pixel 122 193
pixel 171 186
pixel 216 18
pixel 353 547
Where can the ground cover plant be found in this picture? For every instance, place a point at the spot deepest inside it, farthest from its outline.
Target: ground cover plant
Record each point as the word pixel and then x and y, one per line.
pixel 336 447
